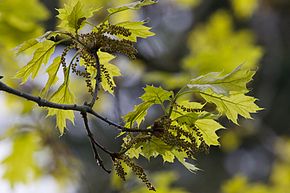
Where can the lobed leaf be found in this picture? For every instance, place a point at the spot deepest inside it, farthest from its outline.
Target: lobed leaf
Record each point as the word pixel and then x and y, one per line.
pixel 181 157
pixel 208 128
pixel 137 29
pixel 152 148
pixel 235 81
pixel 73 15
pixel 52 73
pixel 134 6
pixel 112 71
pixel 108 73
pixel 41 56
pixel 153 95
pixel 233 105
pixel 138 114
pixel 156 94
pixel 62 96
pixel 26 45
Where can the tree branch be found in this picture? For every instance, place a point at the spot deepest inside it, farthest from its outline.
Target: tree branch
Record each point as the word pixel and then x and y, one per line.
pixel 94 143
pixel 80 108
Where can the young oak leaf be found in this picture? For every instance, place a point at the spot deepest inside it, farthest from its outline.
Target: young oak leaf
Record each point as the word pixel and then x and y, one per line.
pixel 52 73
pixel 26 45
pixel 108 73
pixel 181 157
pixel 41 56
pixel 62 96
pixel 235 81
pixel 186 119
pixel 134 6
pixel 137 29
pixel 156 94
pixel 34 42
pixel 155 147
pixel 233 105
pixel 138 114
pixel 108 82
pixel 208 128
pixel 73 15
pixel 153 95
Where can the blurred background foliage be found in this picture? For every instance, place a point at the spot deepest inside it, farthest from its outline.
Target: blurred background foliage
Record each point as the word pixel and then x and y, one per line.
pixel 193 37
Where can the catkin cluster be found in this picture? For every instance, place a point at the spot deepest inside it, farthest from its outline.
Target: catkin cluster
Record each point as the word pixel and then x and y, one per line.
pixel 138 171
pixel 182 140
pixel 186 109
pixel 103 38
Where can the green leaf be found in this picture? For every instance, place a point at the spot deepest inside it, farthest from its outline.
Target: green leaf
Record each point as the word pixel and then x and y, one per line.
pixel 208 128
pixel 137 29
pixel 134 152
pixel 52 73
pixel 233 105
pixel 168 156
pixel 156 94
pixel 112 71
pixel 62 96
pixel 188 118
pixel 134 6
pixel 235 81
pixel 190 105
pixel 34 42
pixel 138 114
pixel 108 73
pixel 155 147
pixel 73 15
pixel 181 157
pixel 20 165
pixel 41 56
pixel 26 45
pixel 153 95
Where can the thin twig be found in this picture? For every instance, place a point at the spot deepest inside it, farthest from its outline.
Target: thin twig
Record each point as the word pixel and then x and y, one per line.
pixel 80 108
pixel 94 143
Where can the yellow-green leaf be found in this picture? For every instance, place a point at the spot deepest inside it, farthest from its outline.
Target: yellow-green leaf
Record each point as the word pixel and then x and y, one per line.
pixel 168 156
pixel 137 29
pixel 235 81
pixel 138 114
pixel 153 95
pixel 134 152
pixel 208 128
pixel 156 94
pixel 134 6
pixel 52 73
pixel 108 73
pixel 26 45
pixel 73 15
pixel 112 71
pixel 233 105
pixel 62 96
pixel 181 156
pixel 41 56
pixel 155 147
